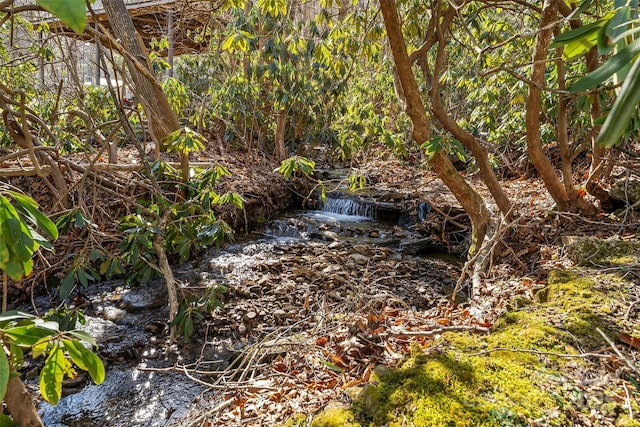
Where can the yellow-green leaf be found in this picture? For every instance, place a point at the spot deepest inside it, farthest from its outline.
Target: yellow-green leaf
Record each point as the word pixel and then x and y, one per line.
pixel 52 375
pixel 5 371
pixel 86 360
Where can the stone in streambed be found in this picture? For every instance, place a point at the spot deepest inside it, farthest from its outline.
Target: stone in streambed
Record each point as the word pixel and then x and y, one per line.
pixel 144 297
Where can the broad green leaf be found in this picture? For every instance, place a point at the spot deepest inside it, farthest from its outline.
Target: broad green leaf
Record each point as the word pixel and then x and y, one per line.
pixel 5 421
pixel 5 371
pixel 104 267
pixel 53 372
pixel 305 165
pixel 232 198
pixel 579 40
pixel 14 269
pixel 608 69
pixel 86 360
pixel 84 277
pixel 583 6
pixel 35 216
pixel 585 31
pixel 187 327
pixel 28 335
pixel 10 222
pixel 227 44
pixel 432 146
pixel 4 253
pixel 83 336
pixel 27 267
pixel 67 285
pixel 17 356
pixel 26 245
pixel 71 12
pixel 625 105
pixel 64 222
pixel 579 47
pixel 47 324
pixel 41 240
pixel 39 348
pixel 15 315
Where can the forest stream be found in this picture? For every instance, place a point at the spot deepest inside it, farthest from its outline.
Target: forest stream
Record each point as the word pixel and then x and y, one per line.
pixel 292 282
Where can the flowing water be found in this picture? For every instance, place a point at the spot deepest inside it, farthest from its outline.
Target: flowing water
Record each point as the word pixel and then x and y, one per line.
pixel 139 390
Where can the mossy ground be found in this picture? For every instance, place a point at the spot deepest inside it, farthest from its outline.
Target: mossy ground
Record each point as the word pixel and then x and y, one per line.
pixel 518 375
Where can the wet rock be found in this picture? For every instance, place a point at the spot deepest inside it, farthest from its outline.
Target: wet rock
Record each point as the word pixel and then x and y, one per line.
pixel 144 297
pixel 111 313
pixel 152 398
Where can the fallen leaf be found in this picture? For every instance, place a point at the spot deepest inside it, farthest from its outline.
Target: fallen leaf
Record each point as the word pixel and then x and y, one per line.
pixel 629 340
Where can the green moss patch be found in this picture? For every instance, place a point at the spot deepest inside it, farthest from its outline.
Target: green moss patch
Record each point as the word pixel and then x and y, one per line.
pixel 588 251
pixel 514 376
pixel 335 417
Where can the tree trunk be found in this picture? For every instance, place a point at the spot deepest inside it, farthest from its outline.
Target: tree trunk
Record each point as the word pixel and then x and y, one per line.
pixel 596 170
pixel 169 278
pixel 20 404
pixel 534 144
pixel 566 201
pixel 563 126
pixel 162 120
pixel 280 149
pixel 468 198
pixel 478 150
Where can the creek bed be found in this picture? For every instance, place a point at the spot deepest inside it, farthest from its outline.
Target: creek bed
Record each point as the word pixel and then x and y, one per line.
pixel 306 266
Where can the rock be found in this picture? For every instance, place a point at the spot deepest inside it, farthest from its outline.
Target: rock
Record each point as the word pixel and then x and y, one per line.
pixel 362 249
pixel 626 190
pixel 359 259
pixel 111 313
pixel 144 297
pixel 588 250
pixel 419 246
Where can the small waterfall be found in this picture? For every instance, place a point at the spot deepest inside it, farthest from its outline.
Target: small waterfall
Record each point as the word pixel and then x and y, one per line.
pixel 348 207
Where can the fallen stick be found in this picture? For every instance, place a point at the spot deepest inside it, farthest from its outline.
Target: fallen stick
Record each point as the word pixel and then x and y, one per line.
pixel 436 331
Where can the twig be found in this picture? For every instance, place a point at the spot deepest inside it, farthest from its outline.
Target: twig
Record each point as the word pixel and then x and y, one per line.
pixel 448 218
pixel 628 400
pixel 539 352
pixel 5 287
pixel 615 349
pixel 436 331
pixel 626 315
pixel 483 252
pixel 210 414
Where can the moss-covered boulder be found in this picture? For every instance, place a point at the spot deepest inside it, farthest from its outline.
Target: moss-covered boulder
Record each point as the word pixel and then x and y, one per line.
pixel 592 251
